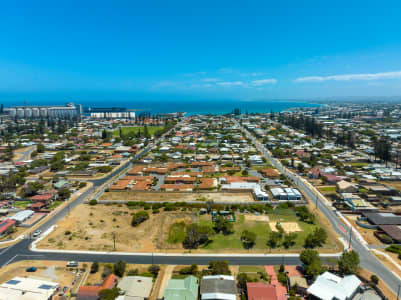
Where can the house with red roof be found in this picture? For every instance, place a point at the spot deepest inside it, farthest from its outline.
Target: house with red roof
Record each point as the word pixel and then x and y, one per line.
pixel 261 291
pixel 6 226
pixel 91 292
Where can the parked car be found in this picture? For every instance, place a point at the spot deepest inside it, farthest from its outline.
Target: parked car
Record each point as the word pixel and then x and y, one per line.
pixel 37 233
pixel 72 264
pixel 31 269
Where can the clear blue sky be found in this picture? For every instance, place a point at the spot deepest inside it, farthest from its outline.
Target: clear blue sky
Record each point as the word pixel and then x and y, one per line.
pixel 87 50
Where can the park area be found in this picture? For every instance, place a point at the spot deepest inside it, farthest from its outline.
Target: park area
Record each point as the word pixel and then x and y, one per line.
pixel 94 227
pixel 133 130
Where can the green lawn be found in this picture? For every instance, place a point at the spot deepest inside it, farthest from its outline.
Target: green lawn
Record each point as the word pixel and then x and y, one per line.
pixel 22 204
pixel 55 204
pixel 127 130
pixel 358 164
pixel 251 269
pixel 262 230
pixel 327 189
pixel 176 233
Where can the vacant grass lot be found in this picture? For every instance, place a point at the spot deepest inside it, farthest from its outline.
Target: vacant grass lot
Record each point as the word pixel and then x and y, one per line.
pixel 262 230
pixel 327 189
pixel 232 242
pixel 129 130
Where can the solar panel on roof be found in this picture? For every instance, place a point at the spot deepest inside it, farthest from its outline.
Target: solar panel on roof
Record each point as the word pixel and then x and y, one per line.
pixel 12 281
pixel 46 287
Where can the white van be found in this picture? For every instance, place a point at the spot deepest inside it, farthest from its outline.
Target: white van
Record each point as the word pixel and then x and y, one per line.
pixel 72 264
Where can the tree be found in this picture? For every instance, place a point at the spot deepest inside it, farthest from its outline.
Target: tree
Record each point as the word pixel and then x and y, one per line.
pixel 274 239
pixel 40 148
pixel 196 235
pixel 316 238
pixel 64 193
pixel 349 262
pixel 191 270
pixel 312 262
pixel 33 188
pixel 94 267
pixel 289 240
pixel 154 269
pixel 223 225
pixel 119 268
pixel 219 267
pixel 248 239
pixel 139 217
pixel 301 168
pixel 109 294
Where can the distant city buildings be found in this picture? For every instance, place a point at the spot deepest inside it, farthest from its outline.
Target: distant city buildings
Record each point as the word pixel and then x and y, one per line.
pixel 69 111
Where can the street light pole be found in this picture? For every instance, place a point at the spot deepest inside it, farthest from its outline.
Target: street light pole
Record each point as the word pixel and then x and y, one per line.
pixel 350 238
pixel 114 239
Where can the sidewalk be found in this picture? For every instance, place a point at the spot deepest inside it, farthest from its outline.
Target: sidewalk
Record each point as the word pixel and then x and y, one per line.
pixel 280 289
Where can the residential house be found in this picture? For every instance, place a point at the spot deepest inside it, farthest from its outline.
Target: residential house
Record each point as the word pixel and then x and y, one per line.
pixel 6 227
pixel 135 287
pixel 218 287
pixel 91 292
pixel 182 289
pixel 346 187
pixel 261 291
pixel 329 286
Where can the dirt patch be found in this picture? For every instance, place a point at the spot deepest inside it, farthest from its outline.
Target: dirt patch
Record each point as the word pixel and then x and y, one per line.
pixel 94 228
pixel 382 286
pixel 257 218
pixel 367 234
pixel 184 197
pixel 288 227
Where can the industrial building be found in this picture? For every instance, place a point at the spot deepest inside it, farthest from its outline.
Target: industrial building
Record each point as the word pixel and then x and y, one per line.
pixel 68 111
pixel 113 115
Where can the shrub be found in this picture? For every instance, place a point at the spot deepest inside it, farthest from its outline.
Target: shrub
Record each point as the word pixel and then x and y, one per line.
pixel 154 269
pixel 139 217
pixel 67 232
pixel 133 272
pixel 374 279
pixel 94 267
pixel 93 202
pixel 119 268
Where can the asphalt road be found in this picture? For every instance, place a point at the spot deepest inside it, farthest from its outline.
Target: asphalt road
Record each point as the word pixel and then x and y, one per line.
pixel 26 154
pixel 368 260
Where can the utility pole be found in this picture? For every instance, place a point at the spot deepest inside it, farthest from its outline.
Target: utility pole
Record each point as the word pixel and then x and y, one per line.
pixel 350 238
pixel 114 239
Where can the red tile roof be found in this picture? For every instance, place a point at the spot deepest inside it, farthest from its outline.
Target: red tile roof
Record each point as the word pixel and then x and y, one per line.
pixel 93 290
pixel 261 291
pixel 5 225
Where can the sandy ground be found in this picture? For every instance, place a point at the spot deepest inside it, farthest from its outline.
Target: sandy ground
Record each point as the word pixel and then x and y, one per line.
pixel 366 233
pixel 163 196
pixel 287 226
pixel 48 270
pixel 92 228
pixel 168 272
pixel 257 218
pixel 382 286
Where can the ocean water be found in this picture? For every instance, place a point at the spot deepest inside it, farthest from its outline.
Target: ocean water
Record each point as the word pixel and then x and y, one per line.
pixel 191 107
pixel 194 107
